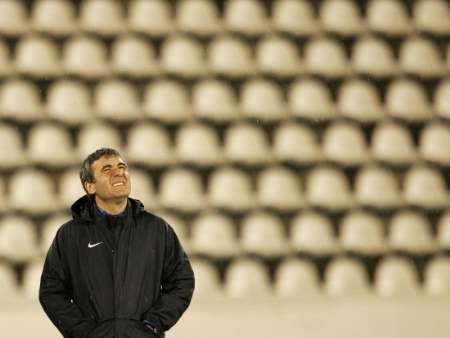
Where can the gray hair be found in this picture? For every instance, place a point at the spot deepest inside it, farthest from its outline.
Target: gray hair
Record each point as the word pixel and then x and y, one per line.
pixel 86 174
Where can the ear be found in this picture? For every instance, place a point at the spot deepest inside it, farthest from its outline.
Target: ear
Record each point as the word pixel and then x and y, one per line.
pixel 90 187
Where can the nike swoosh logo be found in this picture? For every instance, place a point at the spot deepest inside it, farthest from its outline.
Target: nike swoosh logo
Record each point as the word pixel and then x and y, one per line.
pixel 93 245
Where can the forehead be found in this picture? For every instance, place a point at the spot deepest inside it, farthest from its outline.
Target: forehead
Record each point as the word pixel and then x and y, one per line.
pixel 111 160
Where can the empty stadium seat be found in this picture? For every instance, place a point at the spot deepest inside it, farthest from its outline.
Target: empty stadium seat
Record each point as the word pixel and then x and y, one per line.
pixel 180 227
pixel 97 135
pixel 167 101
pixel 20 101
pixel 247 279
pixel 134 57
pixel 344 144
pixel 296 278
pixel 102 17
pixel 207 283
pixel 198 144
pixel 419 56
pixel 183 56
pixel 263 100
pixel 393 143
pixel 18 239
pixel 85 57
pixel 431 16
pixel 143 189
pixel 214 100
pixel 247 144
pixel 278 57
pixel 69 101
pixel 396 277
pixel 425 187
pixel 246 17
pixel 50 228
pixel 50 145
pixel 70 188
pixel 437 277
pixel 6 66
pixel 25 185
pixel 153 18
pixel 434 142
pixel 373 56
pixel 406 99
pixel 441 99
pixel 230 189
pixel 274 180
pixel 12 151
pixel 411 232
pixel 54 17
pixel 117 100
pixel 230 56
pixel 311 100
pixel 378 187
pixel 286 139
pixel 295 17
pixel 362 232
pixel 443 231
pixel 328 188
pixel 32 279
pixel 13 17
pixel 198 17
pixel 341 17
pixel 312 233
pixel 149 144
pixel 388 17
pixel 326 57
pixel 262 234
pixel 346 277
pixel 182 190
pixel 359 100
pixel 9 290
pixel 214 234
pixel 37 56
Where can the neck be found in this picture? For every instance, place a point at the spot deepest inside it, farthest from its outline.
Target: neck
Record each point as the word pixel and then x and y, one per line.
pixel 113 207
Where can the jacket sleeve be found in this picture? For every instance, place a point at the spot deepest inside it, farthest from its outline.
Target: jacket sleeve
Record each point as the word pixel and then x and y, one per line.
pixel 56 297
pixel 177 285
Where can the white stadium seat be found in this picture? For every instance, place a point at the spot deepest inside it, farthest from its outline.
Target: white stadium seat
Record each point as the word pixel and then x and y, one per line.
pixel 200 17
pixel 421 57
pixel 434 141
pixel 247 17
pixel 214 235
pixel 388 17
pixel 295 17
pixel 262 234
pixel 153 18
pixel 32 279
pixel 97 135
pixel 346 277
pixel 13 17
pixel 149 144
pixel 25 185
pixel 134 57
pixel 230 189
pixel 54 17
pixel 396 277
pixel 247 279
pixel 437 277
pixel 20 101
pixel 312 233
pixel 70 188
pixel 431 16
pixel 117 101
pixel 18 239
pixel 326 57
pixel 12 151
pixel 207 282
pixel 296 278
pixel 198 144
pixel 50 145
pixel 101 17
pixel 143 189
pixel 378 187
pixel 341 17
pixel 441 99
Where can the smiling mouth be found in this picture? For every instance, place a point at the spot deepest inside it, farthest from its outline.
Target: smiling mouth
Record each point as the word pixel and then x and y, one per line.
pixel 118 184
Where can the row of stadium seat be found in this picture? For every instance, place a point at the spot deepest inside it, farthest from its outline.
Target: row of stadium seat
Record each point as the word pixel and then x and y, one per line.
pixel 199 144
pixel 249 279
pixel 169 101
pixel 230 56
pixel 217 236
pixel 204 18
pixel 231 189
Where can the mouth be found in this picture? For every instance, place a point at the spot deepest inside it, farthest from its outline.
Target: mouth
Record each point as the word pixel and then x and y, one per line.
pixel 118 184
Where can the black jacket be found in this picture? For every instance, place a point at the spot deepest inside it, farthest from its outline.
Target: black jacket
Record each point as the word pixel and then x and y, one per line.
pixel 150 277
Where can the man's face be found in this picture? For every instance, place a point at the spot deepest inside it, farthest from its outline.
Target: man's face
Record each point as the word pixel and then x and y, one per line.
pixel 111 178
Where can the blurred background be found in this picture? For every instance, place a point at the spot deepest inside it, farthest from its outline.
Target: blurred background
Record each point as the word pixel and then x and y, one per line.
pixel 299 148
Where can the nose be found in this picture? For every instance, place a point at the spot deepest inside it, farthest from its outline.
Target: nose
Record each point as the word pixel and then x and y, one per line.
pixel 119 172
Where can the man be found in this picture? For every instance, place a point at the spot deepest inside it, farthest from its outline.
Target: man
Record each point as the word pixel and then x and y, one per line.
pixel 114 270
